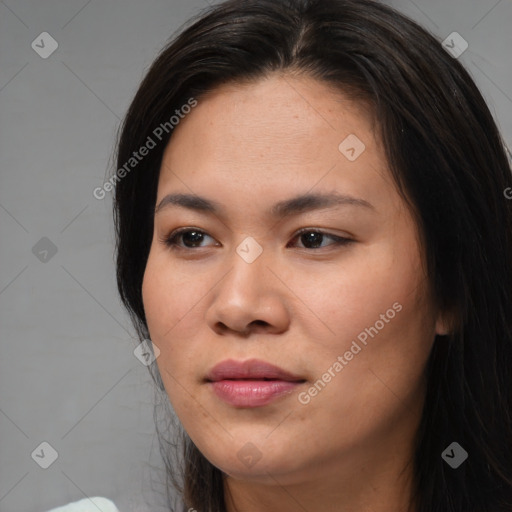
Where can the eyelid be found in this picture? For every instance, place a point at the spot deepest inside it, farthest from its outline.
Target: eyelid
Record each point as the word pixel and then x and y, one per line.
pixel 166 239
pixel 170 240
pixel 323 232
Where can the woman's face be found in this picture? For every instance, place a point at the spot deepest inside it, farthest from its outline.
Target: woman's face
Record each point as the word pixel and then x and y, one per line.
pixel 352 322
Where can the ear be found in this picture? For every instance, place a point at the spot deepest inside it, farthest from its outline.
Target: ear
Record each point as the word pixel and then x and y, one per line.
pixel 444 323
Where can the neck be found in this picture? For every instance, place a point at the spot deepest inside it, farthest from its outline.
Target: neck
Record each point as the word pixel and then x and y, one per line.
pixel 365 491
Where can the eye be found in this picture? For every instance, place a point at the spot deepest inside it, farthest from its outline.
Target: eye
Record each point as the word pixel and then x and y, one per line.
pixel 315 237
pixel 192 238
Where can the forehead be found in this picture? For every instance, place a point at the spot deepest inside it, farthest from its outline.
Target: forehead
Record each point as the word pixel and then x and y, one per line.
pixel 277 134
pixel 275 113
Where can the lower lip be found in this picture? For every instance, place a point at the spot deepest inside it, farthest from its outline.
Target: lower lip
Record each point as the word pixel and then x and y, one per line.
pixel 252 393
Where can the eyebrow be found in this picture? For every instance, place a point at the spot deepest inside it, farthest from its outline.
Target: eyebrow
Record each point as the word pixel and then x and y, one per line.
pixel 288 207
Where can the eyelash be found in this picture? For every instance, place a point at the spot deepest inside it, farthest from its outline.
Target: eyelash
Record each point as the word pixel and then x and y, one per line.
pixel 171 240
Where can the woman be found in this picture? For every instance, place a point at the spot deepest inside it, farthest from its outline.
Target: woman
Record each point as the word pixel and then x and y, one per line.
pixel 371 372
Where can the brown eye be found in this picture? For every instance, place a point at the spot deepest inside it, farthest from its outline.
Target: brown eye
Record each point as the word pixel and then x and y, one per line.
pixel 190 237
pixel 312 238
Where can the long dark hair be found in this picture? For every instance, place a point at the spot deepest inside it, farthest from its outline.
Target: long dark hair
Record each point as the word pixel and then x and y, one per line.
pixel 450 166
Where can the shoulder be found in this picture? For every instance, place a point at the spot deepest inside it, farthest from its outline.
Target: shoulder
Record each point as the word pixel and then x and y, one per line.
pixel 88 505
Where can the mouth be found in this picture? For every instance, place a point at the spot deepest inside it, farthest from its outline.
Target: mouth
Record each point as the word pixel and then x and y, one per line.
pixel 252 369
pixel 257 379
pixel 251 383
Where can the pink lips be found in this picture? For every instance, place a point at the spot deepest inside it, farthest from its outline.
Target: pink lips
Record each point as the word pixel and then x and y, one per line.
pixel 251 383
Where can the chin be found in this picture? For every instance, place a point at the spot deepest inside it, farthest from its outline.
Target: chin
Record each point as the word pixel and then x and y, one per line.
pixel 256 461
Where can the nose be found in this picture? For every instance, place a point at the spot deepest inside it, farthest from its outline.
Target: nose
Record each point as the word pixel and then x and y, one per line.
pixel 249 298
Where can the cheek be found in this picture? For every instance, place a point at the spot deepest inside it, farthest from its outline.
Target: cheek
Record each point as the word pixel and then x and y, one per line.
pixel 156 299
pixel 172 305
pixel 162 310
pixel 169 297
pixel 384 334
pixel 376 313
pixel 345 299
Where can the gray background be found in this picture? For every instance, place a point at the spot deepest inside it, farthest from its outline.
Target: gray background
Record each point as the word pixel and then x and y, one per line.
pixel 68 375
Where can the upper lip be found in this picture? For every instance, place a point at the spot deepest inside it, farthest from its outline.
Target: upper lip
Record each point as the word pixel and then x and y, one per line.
pixel 249 369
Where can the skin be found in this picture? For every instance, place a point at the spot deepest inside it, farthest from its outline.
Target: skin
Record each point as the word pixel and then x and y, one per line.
pixel 297 306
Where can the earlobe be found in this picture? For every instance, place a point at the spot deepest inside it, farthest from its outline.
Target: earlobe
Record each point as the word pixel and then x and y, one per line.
pixel 441 331
pixel 444 324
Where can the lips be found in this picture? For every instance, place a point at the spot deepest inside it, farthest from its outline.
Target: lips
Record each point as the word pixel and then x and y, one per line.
pixel 252 369
pixel 251 383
